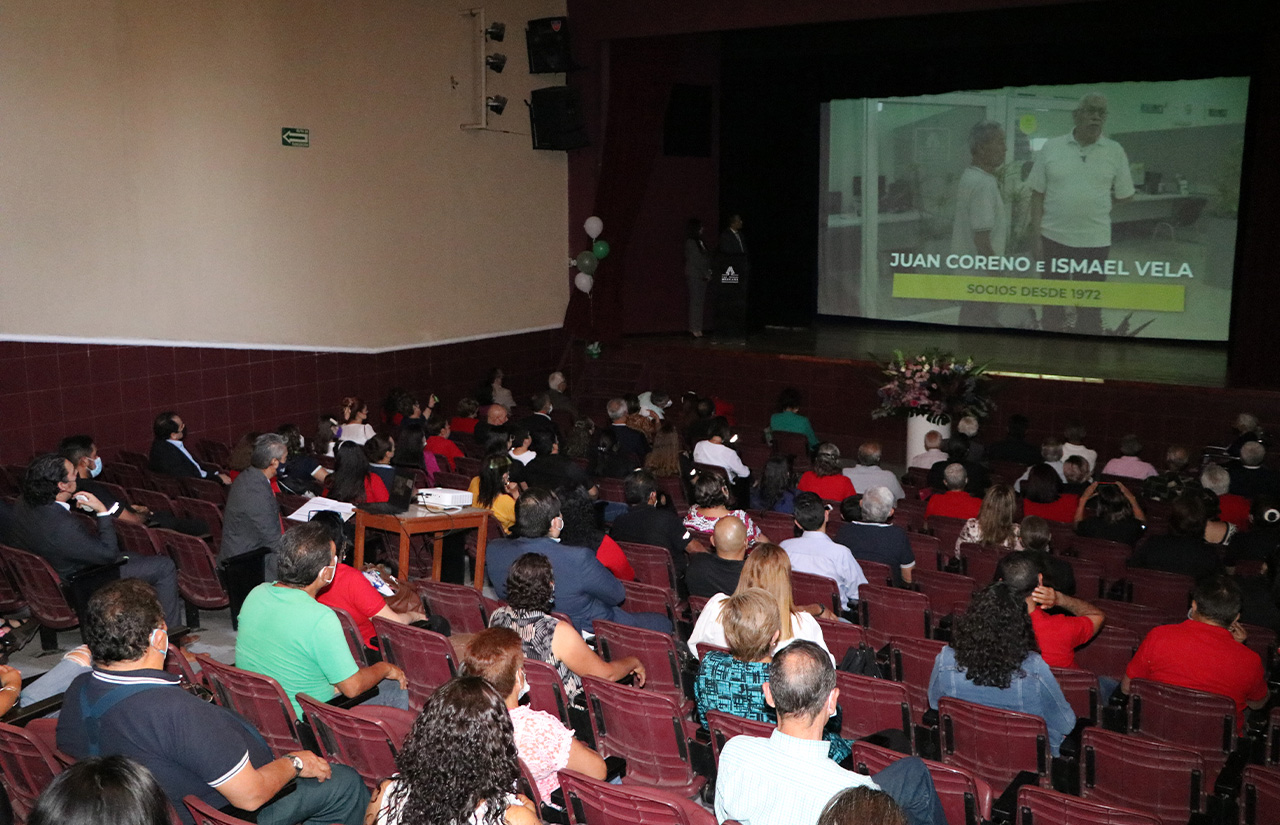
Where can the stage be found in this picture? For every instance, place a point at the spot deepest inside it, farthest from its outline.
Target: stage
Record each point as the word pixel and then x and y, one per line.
pixel 1024 354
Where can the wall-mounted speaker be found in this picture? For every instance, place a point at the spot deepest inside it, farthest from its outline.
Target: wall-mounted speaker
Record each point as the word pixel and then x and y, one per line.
pixel 555 119
pixel 547 41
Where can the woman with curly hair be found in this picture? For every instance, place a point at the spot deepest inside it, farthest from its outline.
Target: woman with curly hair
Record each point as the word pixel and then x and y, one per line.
pixel 458 765
pixel 825 478
pixel 995 523
pixel 993 660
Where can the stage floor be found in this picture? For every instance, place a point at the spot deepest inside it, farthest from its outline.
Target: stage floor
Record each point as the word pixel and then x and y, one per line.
pixel 1024 353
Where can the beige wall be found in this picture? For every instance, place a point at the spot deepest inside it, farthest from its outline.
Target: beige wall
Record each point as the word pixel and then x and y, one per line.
pixel 145 194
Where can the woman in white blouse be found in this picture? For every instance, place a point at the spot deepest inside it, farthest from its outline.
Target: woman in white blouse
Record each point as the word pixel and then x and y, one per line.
pixel 355 412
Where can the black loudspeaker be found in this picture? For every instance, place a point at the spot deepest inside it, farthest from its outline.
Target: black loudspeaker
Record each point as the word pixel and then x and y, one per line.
pixel 555 119
pixel 686 130
pixel 547 41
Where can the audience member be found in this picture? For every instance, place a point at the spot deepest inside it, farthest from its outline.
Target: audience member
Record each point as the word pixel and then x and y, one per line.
pixel 1073 444
pixel 968 427
pixel 654 403
pixel 1174 481
pixel 458 764
pixel 1249 478
pixel 379 451
pixel 251 518
pixel 711 503
pixel 559 389
pixel 169 454
pixel 868 473
pixel 814 551
pixel 1261 544
pixel 355 413
pixel 870 537
pixel 586 590
pixel 1037 542
pixel 82 452
pixel 1042 496
pixel 43 525
pixel 788 778
pixel 304 473
pixel 1119 516
pixel 1014 446
pixel 788 418
pixel 994 525
pixel 1076 471
pixel 716 451
pixel 353 481
pixel 1247 429
pixel 494 490
pixel 664 460
pixel 825 479
pixel 191 746
pixel 957 449
pixel 932 452
pixel 1051 454
pixel 640 419
pixel 630 441
pixel 645 522
pixel 521 445
pixel 775 489
pixel 608 460
pixel 438 441
pixel 286 634
pixel 540 419
pixel 1232 508
pixel 719 571
pixel 581 529
pixel 1128 464
pixel 542 742
pixel 1205 651
pixel 862 806
pixel 1057 635
pixel 699 414
pixel 992 660
pixel 1183 549
pixel 955 502
pixel 531 594
pixel 496 418
pixel 464 416
pixel 555 471
pixel 491 391
pixel 326 438
pixel 112 789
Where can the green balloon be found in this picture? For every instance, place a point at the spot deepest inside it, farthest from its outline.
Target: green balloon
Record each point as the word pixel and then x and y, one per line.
pixel 587 262
pixel 600 249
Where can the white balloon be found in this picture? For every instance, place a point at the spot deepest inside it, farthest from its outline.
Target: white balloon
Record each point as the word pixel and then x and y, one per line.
pixel 594 227
pixel 584 282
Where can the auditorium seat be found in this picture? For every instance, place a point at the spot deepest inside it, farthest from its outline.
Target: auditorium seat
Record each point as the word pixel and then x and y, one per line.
pixel 137 539
pixel 462 606
pixel 979 561
pixel 43 591
pixel 1080 687
pixel 947 531
pixel 426 657
pixel 909 515
pixel 364 738
pixel 611 489
pixel 1119 769
pixel 1169 592
pixel 724 726
pixel 647 728
pixel 199 584
pixel 943 589
pixel 199 509
pixel 877 573
pixel 11 600
pixel 652 564
pixel 467 466
pixel 703 648
pixel 696 605
pixel 1089 576
pixel 258 698
pixel 871 705
pixel 658 652
pixel 453 481
pixel 839 636
pixel 1112 555
pixel 1136 617
pixel 995 744
pixel 592 802
pixel 1108 653
pixel 1262 641
pixel 546 691
pixel 205 489
pixel 809 588
pixel 895 612
pixel 911 662
pixel 27 766
pixel 135 459
pixel 926 551
pixel 171 486
pixel 777 526
pixel 1039 806
pixel 1259 795
pixel 352 634
pixel 794 446
pixel 965 797
pixel 648 598
pixel 1273 736
pixel 152 500
pixel 1203 722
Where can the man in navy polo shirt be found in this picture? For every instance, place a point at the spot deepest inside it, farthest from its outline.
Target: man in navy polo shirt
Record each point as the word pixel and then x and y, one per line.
pixel 129 705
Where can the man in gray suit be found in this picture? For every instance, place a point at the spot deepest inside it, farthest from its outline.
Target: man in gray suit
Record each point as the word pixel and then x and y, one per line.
pixel 251 519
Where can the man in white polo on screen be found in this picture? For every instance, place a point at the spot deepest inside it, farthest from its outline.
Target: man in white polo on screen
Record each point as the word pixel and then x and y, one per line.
pixel 1074 183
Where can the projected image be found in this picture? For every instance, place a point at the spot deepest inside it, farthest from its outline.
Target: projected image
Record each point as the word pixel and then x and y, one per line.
pixel 1103 209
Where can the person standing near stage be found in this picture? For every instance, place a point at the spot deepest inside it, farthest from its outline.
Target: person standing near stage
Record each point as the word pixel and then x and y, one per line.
pixel 697 271
pixel 1074 182
pixel 981 224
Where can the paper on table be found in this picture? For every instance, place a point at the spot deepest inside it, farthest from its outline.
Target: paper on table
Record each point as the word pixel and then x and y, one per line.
pixel 320 504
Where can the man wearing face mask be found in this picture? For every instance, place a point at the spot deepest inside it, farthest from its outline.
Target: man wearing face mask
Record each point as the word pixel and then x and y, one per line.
pixel 169 454
pixel 251 519
pixel 82 452
pixel 286 634
pixel 541 419
pixel 129 706
pixel 43 524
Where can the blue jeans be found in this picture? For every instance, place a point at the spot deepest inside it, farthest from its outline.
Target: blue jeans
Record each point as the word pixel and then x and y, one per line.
pixel 390 695
pixel 909 783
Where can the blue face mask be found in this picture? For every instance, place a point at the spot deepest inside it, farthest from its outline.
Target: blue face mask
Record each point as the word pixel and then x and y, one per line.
pixel 97 467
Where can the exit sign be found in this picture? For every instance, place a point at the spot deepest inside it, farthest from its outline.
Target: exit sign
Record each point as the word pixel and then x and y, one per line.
pixel 293 136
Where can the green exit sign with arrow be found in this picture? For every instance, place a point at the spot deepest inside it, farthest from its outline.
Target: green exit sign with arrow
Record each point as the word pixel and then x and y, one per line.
pixel 293 136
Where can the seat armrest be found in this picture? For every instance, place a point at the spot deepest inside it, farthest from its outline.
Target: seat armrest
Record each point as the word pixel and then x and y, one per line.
pixel 19 717
pixel 340 701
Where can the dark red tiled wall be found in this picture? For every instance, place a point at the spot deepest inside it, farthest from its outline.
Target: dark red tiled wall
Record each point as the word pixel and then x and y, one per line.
pixel 48 391
pixel 839 397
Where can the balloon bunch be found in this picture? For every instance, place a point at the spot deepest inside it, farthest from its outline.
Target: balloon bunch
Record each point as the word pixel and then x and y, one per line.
pixel 588 259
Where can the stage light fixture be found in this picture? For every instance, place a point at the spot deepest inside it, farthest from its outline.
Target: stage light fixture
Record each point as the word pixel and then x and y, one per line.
pixel 495 103
pixel 496 32
pixel 496 62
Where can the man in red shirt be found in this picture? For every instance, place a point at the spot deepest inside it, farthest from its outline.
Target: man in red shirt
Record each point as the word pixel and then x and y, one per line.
pixel 955 502
pixel 1058 635
pixel 438 440
pixel 1206 652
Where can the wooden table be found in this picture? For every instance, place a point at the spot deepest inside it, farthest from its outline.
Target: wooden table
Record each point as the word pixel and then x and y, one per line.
pixel 417 520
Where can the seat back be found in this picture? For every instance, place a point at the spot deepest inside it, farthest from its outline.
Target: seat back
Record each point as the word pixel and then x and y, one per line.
pixel 947 530
pixel 794 446
pixel 126 475
pixel 1108 653
pixel 467 466
pixel 137 539
pixel 258 698
pixel 136 459
pixel 1038 806
pixel 777 526
pixel 870 705
pixel 354 737
pixel 1262 641
pixel 1080 687
pixel 452 481
pixel 205 489
pixel 993 743
pixel 611 489
pixel 1117 769
pixel 643 727
pixel 965 797
pixel 208 815
pixel 426 657
pixel 1089 576
pixel 652 564
pixel 27 766
pixel 1259 795
pixel 978 562
pixel 943 589
pixel 648 598
pixel 198 509
pixel 911 662
pixel 927 551
pixel 809 588
pixel 546 691
pixel 656 651
pixel 724 726
pixel 840 636
pixel 463 606
pixel 1112 555
pixel 11 600
pixel 1136 617
pixel 198 579
pixel 351 632
pixel 589 801
pixel 895 612
pixel 877 572
pixel 215 452
pixel 1169 592
pixel 41 587
pixel 1203 722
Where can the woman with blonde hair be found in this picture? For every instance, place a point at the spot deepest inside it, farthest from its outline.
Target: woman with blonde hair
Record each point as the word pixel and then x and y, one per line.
pixel 995 523
pixel 664 459
pixel 768 568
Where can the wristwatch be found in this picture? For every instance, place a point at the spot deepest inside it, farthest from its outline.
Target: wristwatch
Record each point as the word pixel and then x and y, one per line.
pixel 297 764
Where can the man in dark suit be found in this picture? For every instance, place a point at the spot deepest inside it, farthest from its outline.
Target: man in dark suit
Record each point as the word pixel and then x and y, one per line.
pixel 82 452
pixel 585 590
pixel 630 442
pixel 169 455
pixel 43 524
pixel 541 420
pixel 647 523
pixel 1249 478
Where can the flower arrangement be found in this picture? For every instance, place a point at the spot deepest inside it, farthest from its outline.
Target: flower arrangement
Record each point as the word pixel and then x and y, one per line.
pixel 934 384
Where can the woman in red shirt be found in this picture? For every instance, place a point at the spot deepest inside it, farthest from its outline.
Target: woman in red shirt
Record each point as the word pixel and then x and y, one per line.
pixel 1042 496
pixel 352 481
pixel 825 478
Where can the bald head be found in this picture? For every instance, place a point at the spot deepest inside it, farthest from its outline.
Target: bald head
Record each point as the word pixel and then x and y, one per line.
pixel 730 538
pixel 497 415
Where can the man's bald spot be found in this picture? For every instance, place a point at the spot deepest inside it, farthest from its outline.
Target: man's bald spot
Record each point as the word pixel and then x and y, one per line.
pixel 497 415
pixel 730 537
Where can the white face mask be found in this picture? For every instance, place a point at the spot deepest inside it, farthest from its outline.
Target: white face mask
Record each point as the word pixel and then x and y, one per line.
pixel 524 686
pixel 97 467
